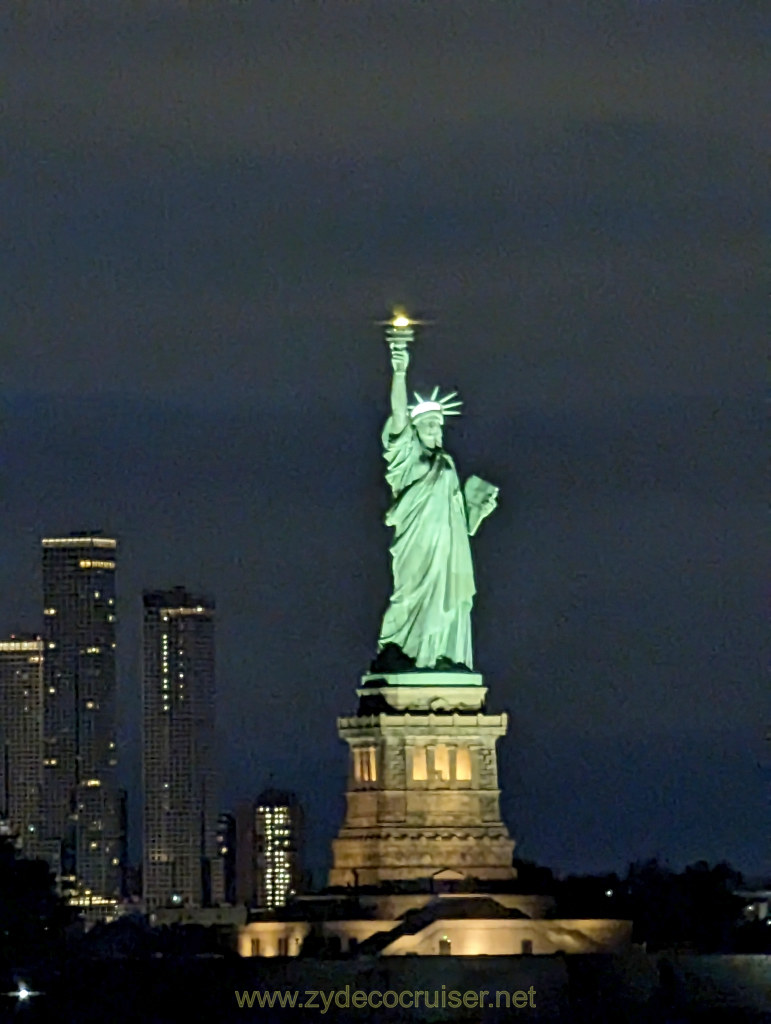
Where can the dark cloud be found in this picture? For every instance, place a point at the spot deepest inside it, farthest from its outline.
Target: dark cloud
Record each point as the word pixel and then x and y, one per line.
pixel 617 253
pixel 286 79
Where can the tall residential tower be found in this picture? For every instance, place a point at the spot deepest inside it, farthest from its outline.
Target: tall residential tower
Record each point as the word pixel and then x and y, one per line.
pixel 81 811
pixel 21 740
pixel 181 865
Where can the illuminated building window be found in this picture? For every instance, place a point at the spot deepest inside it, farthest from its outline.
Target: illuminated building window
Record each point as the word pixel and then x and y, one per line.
pixel 442 762
pixel 463 765
pixel 89 563
pixel 419 766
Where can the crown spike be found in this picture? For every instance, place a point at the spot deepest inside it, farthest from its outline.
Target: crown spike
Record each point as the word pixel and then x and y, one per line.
pixel 447 405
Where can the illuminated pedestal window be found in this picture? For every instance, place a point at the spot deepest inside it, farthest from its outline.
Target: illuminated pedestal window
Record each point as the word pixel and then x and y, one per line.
pixel 364 764
pixel 442 762
pixel 419 765
pixel 463 764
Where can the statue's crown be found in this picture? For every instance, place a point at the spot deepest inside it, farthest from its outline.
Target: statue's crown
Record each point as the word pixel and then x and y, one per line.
pixel 444 405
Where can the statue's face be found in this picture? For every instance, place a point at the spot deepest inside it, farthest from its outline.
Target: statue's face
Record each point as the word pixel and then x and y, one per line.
pixel 429 428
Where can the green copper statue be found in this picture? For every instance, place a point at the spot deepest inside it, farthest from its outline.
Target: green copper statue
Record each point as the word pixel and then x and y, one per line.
pixel 427 624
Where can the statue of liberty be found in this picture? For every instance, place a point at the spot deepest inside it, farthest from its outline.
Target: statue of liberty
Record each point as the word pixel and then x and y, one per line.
pixel 427 624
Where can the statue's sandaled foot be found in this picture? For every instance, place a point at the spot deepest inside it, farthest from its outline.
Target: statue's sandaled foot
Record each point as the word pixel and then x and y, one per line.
pixel 446 665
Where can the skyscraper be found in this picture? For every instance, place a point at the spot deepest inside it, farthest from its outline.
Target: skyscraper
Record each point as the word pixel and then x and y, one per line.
pixel 80 793
pixel 278 826
pixel 246 853
pixel 21 739
pixel 226 852
pixel 180 803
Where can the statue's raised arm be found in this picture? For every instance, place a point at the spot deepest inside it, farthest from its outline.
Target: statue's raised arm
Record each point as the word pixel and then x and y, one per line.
pixel 400 360
pixel 427 624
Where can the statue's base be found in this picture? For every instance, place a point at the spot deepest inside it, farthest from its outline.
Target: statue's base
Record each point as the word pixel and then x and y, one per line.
pixel 422 792
pixel 418 690
pixel 408 855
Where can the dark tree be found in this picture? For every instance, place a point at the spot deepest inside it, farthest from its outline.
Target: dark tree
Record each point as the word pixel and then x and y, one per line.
pixel 32 916
pixel 696 908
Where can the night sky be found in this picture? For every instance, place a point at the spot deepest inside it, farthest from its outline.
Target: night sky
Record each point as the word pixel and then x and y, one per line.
pixel 206 206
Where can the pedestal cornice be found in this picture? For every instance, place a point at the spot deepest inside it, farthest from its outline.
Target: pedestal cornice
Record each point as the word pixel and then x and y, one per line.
pixel 422 691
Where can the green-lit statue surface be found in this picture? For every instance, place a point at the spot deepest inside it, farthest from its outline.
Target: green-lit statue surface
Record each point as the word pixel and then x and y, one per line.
pixel 427 624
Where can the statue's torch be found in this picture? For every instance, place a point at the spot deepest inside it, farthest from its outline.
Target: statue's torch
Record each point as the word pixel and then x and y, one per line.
pixel 399 331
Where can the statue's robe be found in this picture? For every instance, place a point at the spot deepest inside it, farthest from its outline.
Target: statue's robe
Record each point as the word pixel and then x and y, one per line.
pixel 429 614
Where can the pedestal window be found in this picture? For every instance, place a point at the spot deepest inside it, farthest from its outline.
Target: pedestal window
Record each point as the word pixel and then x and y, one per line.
pixel 463 764
pixel 364 764
pixel 442 762
pixel 419 764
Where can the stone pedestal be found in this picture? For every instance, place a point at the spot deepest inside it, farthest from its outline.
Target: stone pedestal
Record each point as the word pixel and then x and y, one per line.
pixel 422 793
